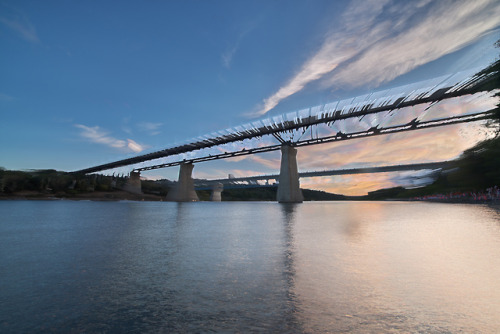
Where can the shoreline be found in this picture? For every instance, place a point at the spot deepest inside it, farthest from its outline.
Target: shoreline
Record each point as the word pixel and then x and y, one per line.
pixel 94 196
pixel 101 196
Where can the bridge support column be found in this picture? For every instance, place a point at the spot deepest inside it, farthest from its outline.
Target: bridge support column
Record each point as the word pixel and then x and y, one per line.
pixel 217 189
pixel 184 191
pixel 289 185
pixel 133 184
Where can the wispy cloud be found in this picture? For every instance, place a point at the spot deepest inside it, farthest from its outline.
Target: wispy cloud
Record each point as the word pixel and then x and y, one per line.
pixel 96 135
pixel 269 162
pixel 448 27
pixel 228 55
pixel 382 39
pixel 5 97
pixel 134 146
pixel 17 21
pixel 150 127
pixel 352 185
pixel 436 144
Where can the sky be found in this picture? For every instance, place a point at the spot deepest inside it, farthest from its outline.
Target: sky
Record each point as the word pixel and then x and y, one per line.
pixel 89 82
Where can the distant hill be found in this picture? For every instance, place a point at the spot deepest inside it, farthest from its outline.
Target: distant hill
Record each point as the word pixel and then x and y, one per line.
pixel 268 193
pixel 475 171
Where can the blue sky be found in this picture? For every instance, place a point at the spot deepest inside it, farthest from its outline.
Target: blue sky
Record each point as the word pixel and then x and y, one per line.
pixel 88 82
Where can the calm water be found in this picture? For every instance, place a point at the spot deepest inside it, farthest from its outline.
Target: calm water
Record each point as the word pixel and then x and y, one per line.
pixel 139 267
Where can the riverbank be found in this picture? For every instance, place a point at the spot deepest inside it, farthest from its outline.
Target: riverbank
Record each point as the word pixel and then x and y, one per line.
pixel 92 196
pixel 103 196
pixel 489 195
pixel 244 194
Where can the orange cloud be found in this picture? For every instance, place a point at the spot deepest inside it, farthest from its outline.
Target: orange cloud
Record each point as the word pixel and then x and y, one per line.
pixel 353 185
pixel 437 144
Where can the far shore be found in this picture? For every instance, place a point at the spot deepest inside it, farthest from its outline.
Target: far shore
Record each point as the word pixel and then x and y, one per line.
pixel 93 196
pixel 126 196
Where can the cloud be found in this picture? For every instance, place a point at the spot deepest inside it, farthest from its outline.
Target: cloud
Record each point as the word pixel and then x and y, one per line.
pixel 380 40
pixel 19 23
pixel 448 27
pixel 352 185
pixel 269 162
pixel 361 184
pixel 132 145
pixel 96 135
pixel 5 97
pixel 150 127
pixel 227 56
pixel 429 145
pixel 435 144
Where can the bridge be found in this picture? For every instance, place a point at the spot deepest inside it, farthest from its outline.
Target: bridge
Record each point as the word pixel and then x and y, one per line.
pixel 362 116
pixel 218 185
pixel 347 171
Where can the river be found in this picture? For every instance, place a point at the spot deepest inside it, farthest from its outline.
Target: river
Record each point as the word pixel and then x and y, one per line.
pixel 315 267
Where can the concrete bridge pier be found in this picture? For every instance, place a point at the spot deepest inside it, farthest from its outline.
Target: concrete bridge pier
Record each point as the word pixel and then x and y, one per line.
pixel 289 185
pixel 184 191
pixel 217 189
pixel 133 184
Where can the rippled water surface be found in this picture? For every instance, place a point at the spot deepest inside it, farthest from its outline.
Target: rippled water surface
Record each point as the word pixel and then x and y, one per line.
pixel 157 267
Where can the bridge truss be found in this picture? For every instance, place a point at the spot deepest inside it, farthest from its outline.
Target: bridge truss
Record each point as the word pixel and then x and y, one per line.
pixel 368 110
pixel 328 139
pixel 381 169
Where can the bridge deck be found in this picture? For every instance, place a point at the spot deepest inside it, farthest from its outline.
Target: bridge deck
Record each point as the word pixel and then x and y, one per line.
pixel 364 170
pixel 429 91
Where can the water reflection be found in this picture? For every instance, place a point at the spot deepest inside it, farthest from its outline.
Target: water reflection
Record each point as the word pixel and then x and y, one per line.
pixel 249 267
pixel 413 267
pixel 291 321
pixel 354 218
pixel 495 207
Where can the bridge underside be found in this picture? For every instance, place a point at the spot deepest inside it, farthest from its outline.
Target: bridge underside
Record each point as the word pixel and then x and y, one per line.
pixel 428 92
pixel 337 137
pixel 349 171
pixel 360 117
pixel 288 187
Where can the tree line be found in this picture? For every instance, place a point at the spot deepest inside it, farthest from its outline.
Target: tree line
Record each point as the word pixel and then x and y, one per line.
pixel 53 181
